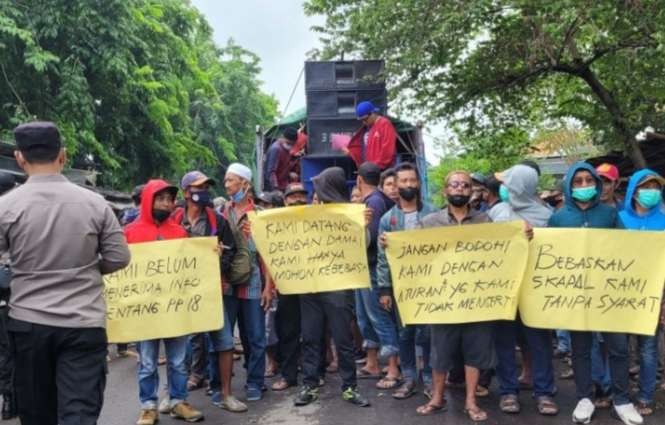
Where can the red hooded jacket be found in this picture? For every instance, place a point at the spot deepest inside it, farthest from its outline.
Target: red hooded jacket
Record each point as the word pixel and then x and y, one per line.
pixel 381 144
pixel 144 228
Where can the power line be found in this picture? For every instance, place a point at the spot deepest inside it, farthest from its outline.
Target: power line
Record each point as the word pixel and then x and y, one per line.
pixel 293 92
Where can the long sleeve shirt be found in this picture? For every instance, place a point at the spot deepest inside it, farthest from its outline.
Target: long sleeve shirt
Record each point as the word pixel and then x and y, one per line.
pixel 61 239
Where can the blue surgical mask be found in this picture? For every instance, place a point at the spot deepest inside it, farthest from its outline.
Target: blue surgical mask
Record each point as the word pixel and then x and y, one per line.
pixel 504 194
pixel 649 198
pixel 584 194
pixel 238 196
pixel 201 198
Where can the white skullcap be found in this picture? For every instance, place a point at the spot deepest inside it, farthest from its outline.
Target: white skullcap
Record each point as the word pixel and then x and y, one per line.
pixel 240 170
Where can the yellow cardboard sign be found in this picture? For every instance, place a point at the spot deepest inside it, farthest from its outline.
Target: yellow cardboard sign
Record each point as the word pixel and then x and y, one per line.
pixel 313 248
pixel 457 274
pixel 170 288
pixel 593 279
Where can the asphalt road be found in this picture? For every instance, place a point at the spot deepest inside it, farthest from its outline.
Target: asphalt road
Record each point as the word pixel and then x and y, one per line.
pixel 121 405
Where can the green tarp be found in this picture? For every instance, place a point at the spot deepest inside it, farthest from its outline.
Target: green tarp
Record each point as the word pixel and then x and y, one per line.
pixel 300 116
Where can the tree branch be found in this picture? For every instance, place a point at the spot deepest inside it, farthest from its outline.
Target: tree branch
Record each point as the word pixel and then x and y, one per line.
pixel 13 90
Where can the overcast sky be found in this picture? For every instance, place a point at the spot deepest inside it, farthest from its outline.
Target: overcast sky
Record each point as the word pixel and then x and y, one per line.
pixel 279 33
pixel 276 30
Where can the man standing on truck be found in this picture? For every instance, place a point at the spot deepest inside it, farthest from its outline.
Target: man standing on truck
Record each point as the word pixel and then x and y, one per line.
pixel 375 141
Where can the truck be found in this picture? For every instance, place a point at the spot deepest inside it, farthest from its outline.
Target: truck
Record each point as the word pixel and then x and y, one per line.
pixel 333 89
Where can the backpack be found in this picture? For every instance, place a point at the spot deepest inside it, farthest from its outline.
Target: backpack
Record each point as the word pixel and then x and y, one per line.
pixel 241 264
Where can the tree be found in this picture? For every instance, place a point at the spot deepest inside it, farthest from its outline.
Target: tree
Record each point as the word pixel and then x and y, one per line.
pixel 485 63
pixel 137 87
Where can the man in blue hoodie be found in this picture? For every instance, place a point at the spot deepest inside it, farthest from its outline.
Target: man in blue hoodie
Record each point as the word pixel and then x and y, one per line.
pixel 582 189
pixel 643 211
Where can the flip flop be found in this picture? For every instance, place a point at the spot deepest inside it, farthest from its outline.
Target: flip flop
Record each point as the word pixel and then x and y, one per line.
pixel 280 385
pixel 431 409
pixel 387 383
pixel 476 415
pixel 364 374
pixel 406 390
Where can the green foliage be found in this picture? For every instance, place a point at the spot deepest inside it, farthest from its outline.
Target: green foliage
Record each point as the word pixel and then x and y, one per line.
pixel 137 87
pixel 487 64
pixel 483 153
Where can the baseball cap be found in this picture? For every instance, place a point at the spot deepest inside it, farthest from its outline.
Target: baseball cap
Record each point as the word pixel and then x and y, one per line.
pixel 365 108
pixel 370 172
pixel 608 171
pixel 652 177
pixel 37 134
pixel 195 178
pixel 294 188
pixel 479 178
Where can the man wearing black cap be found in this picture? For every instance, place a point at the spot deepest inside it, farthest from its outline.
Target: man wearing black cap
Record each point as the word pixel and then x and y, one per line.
pixel 61 238
pixel 377 325
pixel 478 192
pixel 279 163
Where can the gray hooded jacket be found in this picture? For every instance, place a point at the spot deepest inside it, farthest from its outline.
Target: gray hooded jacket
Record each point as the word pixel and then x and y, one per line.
pixel 522 183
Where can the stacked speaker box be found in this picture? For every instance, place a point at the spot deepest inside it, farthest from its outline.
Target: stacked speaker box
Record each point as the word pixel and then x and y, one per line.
pixel 333 89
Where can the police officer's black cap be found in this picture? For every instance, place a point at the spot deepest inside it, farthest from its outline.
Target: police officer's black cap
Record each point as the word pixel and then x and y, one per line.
pixel 34 134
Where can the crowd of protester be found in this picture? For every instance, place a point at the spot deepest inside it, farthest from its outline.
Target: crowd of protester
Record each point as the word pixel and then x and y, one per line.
pixel 356 333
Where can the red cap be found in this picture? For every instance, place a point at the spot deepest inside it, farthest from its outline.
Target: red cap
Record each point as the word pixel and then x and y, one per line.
pixel 608 171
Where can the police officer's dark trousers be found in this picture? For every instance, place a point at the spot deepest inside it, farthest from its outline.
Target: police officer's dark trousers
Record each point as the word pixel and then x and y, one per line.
pixel 60 373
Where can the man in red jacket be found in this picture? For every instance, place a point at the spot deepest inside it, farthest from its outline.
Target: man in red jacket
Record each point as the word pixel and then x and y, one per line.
pixel 155 224
pixel 375 141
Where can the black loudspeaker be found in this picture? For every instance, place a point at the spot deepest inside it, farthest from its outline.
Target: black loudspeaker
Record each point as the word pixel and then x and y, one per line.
pixel 333 90
pixel 342 103
pixel 345 75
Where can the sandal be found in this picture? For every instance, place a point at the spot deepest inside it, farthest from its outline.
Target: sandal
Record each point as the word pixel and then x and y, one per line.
pixel 644 409
pixel 603 403
pixel 427 391
pixel 525 385
pixel 280 385
pixel 195 384
pixel 363 373
pixel 406 390
pixel 477 414
pixel 430 409
pixel 509 403
pixel 547 406
pixel 387 383
pixel 482 391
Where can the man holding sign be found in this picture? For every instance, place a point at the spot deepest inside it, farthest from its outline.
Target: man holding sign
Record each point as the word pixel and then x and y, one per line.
pixel 582 188
pixel 406 215
pixel 155 224
pixel 519 192
pixel 331 306
pixel 475 339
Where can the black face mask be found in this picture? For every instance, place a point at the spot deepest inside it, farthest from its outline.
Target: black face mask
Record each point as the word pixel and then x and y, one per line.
pixel 296 203
pixel 408 193
pixel 160 215
pixel 458 200
pixel 201 198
